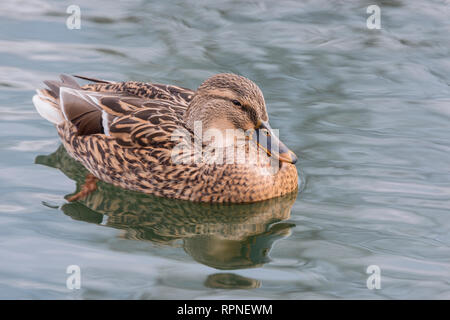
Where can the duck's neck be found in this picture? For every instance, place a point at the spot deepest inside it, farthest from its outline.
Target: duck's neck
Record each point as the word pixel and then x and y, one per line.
pixel 195 113
pixel 204 115
pixel 218 136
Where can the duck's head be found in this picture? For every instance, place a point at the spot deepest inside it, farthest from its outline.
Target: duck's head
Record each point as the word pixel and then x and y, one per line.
pixel 229 101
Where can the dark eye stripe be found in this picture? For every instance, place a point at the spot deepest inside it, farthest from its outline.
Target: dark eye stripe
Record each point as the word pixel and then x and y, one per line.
pixel 250 111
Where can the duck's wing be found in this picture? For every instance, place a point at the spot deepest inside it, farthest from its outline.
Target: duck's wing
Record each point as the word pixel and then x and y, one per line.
pixel 153 125
pixel 135 114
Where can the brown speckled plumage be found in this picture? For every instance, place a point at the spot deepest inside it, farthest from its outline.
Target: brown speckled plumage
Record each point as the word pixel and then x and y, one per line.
pixel 134 151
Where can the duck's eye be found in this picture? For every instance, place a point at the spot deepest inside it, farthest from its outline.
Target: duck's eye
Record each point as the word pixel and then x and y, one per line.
pixel 236 103
pixel 266 132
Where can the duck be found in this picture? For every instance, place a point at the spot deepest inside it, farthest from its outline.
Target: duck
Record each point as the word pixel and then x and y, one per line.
pixel 156 138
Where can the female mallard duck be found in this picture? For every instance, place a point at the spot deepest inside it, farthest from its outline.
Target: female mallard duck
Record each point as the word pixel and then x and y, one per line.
pixel 123 133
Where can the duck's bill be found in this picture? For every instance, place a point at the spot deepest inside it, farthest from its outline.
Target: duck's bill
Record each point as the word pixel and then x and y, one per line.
pixel 266 140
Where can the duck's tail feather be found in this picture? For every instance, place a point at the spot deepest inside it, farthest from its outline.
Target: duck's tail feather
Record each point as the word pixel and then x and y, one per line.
pixel 48 106
pixel 47 101
pixel 65 100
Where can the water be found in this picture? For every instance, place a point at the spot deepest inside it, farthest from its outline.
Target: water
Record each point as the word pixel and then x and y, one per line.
pixel 367 112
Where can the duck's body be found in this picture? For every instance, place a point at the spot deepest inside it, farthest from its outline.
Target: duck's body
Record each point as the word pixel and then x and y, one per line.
pixel 123 134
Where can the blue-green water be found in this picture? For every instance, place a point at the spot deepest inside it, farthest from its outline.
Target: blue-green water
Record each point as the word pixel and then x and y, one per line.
pixel 366 111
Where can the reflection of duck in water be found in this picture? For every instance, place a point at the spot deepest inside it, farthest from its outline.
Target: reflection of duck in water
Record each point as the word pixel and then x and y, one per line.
pixel 230 281
pixel 230 236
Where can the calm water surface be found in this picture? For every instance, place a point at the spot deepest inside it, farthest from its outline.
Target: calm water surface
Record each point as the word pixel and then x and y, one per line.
pixel 367 112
